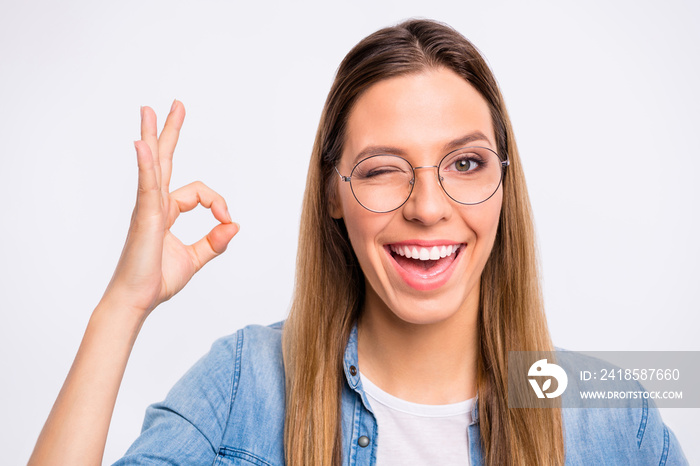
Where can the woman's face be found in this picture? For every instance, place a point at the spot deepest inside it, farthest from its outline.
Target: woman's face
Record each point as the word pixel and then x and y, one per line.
pixel 421 117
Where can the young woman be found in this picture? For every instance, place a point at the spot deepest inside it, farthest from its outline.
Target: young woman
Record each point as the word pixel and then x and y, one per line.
pixel 416 274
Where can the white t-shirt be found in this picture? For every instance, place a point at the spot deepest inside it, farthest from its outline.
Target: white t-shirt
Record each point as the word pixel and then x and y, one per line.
pixel 418 434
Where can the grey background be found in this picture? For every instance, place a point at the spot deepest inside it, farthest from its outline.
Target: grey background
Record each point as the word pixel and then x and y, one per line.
pixel 604 101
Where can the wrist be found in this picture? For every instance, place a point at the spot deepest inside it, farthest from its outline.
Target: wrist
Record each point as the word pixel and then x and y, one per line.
pixel 118 316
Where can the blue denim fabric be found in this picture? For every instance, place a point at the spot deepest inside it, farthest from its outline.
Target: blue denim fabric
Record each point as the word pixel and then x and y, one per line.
pixel 228 409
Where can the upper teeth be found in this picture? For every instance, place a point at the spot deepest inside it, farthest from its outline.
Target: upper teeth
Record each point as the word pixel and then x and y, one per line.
pixel 424 254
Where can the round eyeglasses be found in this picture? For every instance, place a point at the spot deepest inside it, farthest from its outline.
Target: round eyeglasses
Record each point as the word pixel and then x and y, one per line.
pixel 383 183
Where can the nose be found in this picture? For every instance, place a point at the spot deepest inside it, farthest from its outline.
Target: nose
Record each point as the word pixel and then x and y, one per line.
pixel 428 203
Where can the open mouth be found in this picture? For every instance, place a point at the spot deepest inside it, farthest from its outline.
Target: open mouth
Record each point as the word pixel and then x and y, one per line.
pixel 424 267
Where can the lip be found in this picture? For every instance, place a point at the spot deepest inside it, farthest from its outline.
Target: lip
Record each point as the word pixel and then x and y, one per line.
pixel 425 282
pixel 425 243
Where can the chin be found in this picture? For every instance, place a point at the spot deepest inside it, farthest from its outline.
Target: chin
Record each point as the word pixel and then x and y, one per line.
pixel 445 307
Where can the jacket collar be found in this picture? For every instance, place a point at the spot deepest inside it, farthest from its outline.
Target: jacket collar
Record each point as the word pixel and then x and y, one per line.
pixel 351 368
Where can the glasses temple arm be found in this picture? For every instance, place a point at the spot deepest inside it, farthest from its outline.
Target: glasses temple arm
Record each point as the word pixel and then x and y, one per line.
pixel 344 178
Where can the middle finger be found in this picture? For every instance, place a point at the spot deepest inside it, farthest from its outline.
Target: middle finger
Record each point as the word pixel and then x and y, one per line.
pixel 167 142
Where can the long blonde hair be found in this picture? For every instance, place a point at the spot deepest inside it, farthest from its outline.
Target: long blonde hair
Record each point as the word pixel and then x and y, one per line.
pixel 330 288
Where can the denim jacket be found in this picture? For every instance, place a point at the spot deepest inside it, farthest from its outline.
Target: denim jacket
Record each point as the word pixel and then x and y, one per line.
pixel 228 409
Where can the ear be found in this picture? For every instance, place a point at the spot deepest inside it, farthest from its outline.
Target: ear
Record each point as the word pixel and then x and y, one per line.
pixel 334 207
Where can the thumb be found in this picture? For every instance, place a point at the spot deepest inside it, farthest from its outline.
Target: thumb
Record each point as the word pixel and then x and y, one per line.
pixel 214 243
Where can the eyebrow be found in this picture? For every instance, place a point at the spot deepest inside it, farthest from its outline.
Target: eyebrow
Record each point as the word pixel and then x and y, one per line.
pixel 454 144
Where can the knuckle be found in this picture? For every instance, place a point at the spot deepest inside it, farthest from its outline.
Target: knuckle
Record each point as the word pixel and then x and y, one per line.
pixel 148 189
pixel 196 259
pixel 193 186
pixel 146 223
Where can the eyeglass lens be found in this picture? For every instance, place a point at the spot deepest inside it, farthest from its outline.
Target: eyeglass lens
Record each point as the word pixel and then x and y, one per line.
pixel 383 183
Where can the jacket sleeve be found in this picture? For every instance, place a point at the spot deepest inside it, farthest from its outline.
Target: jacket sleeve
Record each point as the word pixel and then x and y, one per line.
pixel 675 452
pixel 188 426
pixel 658 441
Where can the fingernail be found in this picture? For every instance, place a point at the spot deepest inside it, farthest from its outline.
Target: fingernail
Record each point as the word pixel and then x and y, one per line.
pixel 141 110
pixel 172 107
pixel 228 215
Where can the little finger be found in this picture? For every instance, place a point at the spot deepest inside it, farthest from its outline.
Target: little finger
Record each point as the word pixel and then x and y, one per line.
pixel 149 134
pixel 148 199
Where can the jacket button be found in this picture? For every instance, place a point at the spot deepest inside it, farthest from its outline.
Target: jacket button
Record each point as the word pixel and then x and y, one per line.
pixel 363 441
pixel 353 371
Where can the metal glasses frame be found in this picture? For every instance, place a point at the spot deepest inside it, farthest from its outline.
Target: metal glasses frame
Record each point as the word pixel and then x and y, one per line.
pixel 504 164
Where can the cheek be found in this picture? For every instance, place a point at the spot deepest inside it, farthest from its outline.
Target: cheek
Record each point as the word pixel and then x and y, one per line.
pixel 484 220
pixel 363 229
pixel 356 223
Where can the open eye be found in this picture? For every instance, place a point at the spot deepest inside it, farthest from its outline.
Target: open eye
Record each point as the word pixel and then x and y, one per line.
pixel 465 165
pixel 471 161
